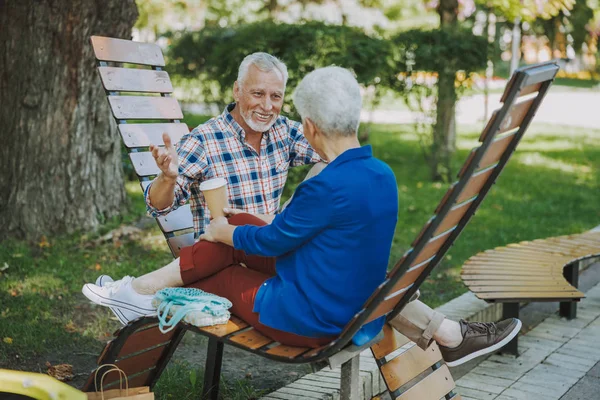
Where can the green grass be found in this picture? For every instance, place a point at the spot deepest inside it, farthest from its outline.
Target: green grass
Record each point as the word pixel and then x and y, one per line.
pixel 550 187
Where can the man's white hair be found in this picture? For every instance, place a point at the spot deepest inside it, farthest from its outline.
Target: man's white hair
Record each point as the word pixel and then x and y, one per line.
pixel 330 98
pixel 263 61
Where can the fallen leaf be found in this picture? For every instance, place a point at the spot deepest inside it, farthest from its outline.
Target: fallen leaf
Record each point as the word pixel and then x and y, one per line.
pixel 14 293
pixel 97 267
pixel 497 206
pixel 7 340
pixel 62 372
pixel 70 327
pixel 44 242
pixel 419 184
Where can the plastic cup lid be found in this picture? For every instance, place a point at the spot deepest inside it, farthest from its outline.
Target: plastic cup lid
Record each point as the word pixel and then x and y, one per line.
pixel 213 184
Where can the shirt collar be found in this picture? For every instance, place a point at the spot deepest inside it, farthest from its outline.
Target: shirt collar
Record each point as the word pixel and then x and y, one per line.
pixel 351 154
pixel 228 118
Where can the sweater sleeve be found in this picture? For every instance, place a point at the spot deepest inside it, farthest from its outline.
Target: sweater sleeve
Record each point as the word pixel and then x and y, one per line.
pixel 310 211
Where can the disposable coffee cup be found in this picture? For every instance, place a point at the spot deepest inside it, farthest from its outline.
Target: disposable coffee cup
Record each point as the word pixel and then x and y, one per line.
pixel 215 194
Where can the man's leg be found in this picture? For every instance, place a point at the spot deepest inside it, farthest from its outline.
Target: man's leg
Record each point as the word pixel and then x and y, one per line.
pixel 459 342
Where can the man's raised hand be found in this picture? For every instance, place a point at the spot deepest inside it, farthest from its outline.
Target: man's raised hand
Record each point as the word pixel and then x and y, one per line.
pixel 166 158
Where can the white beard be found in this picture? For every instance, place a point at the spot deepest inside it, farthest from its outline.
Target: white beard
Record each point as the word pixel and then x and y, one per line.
pixel 256 126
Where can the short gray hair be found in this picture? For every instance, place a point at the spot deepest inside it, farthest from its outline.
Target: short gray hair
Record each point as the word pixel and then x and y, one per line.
pixel 263 61
pixel 330 97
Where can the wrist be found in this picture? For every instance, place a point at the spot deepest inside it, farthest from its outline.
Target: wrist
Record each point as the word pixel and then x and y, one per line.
pixel 168 179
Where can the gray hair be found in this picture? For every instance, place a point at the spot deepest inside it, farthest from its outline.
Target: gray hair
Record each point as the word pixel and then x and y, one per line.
pixel 263 61
pixel 330 97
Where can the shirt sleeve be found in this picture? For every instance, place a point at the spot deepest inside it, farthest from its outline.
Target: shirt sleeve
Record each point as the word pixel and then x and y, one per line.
pixel 300 151
pixel 306 216
pixel 192 167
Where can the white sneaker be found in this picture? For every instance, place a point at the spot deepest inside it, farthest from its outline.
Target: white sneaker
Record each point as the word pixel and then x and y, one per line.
pixel 102 279
pixel 120 314
pixel 119 295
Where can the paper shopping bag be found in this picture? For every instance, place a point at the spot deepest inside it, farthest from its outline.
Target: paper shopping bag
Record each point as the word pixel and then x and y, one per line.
pixel 127 393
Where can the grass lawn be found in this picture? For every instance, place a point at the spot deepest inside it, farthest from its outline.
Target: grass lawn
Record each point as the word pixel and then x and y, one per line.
pixel 549 188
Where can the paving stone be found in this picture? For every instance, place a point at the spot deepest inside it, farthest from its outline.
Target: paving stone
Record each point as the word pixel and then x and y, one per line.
pixel 523 395
pixel 487 387
pixel 585 389
pixel 580 364
pixel 548 380
pixel 550 393
pixel 475 393
pixel 595 371
pixel 487 379
pixel 301 393
pixel 553 370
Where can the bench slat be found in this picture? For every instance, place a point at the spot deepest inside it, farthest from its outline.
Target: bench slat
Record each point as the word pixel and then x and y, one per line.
pixel 251 339
pixel 430 249
pixel 176 243
pixel 144 107
pixel 573 294
pixel 435 386
pixel 143 339
pixel 143 135
pixel 233 325
pixel 135 80
pixel 120 50
pixel 134 380
pixel 409 365
pixel 474 185
pixel 504 281
pixel 392 341
pixel 287 351
pixel 177 220
pixel 467 277
pixel 509 288
pixel 144 164
pixel 142 361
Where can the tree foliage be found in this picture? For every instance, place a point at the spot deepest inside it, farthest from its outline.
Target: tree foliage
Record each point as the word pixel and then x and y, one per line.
pixel 213 55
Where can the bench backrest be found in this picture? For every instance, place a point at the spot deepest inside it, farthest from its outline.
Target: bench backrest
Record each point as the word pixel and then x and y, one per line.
pixel 521 99
pixel 139 95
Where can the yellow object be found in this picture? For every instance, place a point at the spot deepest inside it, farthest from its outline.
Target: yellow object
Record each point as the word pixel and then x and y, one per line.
pixel 37 386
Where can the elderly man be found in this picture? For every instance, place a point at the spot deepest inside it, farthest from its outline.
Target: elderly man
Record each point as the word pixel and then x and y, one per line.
pixel 249 144
pixel 330 233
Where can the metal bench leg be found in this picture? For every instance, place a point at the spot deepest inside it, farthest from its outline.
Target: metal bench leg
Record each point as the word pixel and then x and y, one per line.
pixel 568 309
pixel 350 382
pixel 212 370
pixel 511 310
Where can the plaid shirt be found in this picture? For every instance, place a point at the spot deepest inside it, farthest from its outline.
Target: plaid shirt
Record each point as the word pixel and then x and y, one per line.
pixel 255 181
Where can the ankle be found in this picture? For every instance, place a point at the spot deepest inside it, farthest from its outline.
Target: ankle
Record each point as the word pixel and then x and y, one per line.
pixel 449 334
pixel 142 288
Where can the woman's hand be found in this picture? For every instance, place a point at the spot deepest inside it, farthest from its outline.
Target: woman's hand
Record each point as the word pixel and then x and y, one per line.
pixel 230 212
pixel 215 230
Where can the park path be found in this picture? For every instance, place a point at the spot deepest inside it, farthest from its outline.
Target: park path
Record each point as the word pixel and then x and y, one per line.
pixel 576 107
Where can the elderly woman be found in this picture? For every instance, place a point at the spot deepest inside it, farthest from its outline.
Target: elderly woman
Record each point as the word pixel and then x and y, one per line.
pixel 312 268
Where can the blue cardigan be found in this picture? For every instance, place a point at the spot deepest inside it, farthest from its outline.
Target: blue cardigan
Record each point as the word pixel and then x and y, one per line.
pixel 332 245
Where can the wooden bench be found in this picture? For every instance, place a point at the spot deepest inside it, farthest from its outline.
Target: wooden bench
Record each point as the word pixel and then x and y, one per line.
pixel 539 270
pixel 143 352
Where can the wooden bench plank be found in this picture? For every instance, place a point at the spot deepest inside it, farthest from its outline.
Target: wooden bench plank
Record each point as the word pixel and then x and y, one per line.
pixel 233 325
pixel 143 339
pixel 120 50
pixel 143 135
pixel 144 107
pixel 176 243
pixel 251 339
pixel 177 220
pixel 435 386
pixel 522 288
pixel 475 184
pixel 392 341
pixel 135 80
pixel 144 164
pixel 572 294
pixel 409 365
pixel 287 351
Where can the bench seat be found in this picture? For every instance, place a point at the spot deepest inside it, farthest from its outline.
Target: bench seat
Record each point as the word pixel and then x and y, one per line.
pixel 538 270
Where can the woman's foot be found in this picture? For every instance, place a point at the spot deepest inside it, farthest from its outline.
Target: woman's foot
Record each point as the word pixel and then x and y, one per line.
pixel 121 298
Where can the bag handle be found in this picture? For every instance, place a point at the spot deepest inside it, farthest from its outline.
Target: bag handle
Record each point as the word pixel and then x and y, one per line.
pixel 122 375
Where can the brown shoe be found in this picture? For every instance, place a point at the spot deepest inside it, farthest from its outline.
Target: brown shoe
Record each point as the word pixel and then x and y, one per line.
pixel 480 338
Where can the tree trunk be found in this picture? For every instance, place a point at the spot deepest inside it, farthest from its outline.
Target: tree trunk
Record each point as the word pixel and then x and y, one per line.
pixel 444 133
pixel 60 155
